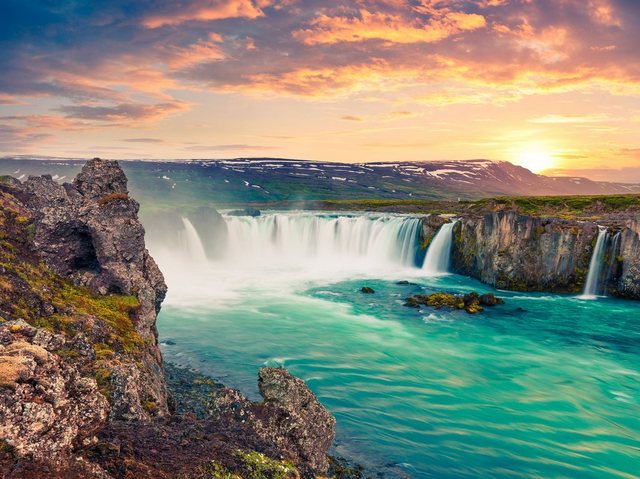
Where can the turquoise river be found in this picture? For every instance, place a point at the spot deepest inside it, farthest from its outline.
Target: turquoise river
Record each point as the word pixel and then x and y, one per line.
pixel 544 386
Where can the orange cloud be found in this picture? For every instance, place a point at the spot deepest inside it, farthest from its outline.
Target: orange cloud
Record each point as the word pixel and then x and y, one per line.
pixel 206 11
pixel 200 52
pixel 387 27
pixel 125 113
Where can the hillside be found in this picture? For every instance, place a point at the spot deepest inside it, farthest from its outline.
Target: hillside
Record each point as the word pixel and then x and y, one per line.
pixel 246 181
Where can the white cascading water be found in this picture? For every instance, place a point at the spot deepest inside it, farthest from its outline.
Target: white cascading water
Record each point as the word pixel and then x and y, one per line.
pixel 192 243
pixel 336 241
pixel 285 251
pixel 592 287
pixel 438 257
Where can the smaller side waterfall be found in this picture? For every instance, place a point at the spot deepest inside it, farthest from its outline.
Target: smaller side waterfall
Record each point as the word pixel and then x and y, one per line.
pixel 438 255
pixel 593 286
pixel 192 242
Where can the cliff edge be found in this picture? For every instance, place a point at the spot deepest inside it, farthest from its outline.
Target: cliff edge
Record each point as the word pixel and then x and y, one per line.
pixel 82 384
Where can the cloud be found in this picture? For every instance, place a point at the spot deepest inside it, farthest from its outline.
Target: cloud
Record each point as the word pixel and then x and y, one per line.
pixel 387 27
pixel 203 10
pixel 230 147
pixel 352 118
pixel 570 119
pixel 40 122
pixel 124 113
pixel 19 138
pixel 143 140
pixel 82 65
pixel 199 52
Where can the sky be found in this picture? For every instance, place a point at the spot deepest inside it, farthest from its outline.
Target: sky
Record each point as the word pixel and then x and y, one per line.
pixel 553 85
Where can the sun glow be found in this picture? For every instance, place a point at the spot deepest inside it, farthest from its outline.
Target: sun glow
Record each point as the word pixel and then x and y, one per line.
pixel 536 160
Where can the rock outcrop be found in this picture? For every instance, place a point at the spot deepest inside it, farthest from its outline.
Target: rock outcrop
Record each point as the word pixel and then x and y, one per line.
pixel 89 232
pixel 82 384
pixel 49 406
pixel 524 253
pixel 517 252
pixel 430 226
pixel 290 418
pixel 625 279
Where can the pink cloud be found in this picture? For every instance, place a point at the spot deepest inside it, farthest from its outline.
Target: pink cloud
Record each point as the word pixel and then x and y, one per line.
pixel 387 27
pixel 206 10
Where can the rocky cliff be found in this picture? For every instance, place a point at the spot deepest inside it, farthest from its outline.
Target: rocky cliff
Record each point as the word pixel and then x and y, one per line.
pixel 519 252
pixel 625 278
pixel 82 384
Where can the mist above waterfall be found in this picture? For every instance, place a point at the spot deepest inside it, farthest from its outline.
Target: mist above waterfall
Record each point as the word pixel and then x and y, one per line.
pixel 219 255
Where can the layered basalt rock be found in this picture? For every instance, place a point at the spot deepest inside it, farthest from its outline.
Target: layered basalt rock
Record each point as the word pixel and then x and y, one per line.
pixel 512 251
pixel 517 252
pixel 625 280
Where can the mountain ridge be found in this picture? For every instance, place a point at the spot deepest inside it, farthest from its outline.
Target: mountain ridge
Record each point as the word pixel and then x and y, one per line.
pixel 246 180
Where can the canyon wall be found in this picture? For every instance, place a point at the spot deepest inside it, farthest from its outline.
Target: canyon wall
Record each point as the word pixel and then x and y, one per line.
pixel 625 280
pixel 517 252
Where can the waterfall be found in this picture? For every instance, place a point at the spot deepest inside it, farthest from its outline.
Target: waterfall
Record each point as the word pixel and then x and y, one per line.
pixel 438 255
pixel 593 286
pixel 332 239
pixel 192 242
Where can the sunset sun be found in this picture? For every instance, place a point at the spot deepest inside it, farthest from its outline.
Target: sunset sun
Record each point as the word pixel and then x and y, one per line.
pixel 535 160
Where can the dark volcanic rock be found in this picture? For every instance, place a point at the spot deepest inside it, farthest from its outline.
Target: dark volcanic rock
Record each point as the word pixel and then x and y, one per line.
pixel 291 418
pixel 245 212
pixel 89 232
pixel 626 278
pixel 82 385
pixel 516 252
pixel 53 406
pixel 489 299
pixel 430 226
pixel 367 290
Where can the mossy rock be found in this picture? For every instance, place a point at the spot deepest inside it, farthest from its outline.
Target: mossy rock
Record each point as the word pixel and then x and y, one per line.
pixel 472 303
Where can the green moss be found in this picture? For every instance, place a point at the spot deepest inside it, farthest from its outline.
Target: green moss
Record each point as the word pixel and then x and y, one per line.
pixel 470 302
pixel 150 406
pixel 103 378
pixel 7 449
pixel 67 353
pixel 103 351
pixel 259 466
pixel 340 469
pixel 217 471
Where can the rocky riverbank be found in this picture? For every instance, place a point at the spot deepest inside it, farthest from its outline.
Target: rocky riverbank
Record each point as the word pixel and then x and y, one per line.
pixel 83 391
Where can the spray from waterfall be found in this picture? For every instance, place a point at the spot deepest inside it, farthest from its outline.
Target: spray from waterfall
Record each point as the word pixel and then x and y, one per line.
pixel 594 286
pixel 438 257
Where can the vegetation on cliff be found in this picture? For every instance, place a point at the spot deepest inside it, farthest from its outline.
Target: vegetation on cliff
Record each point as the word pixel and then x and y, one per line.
pixel 79 295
